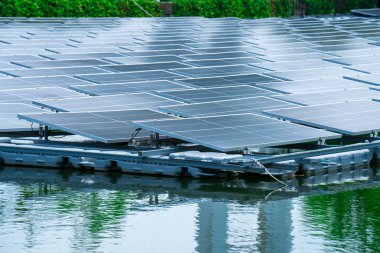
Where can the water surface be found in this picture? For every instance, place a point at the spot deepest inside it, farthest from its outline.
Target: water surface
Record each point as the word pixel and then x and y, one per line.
pixel 44 210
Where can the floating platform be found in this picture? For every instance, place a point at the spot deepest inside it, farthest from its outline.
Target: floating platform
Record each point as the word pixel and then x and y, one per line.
pixel 177 162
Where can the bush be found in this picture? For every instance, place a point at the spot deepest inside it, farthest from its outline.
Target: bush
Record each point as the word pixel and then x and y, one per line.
pixel 77 8
pixel 206 8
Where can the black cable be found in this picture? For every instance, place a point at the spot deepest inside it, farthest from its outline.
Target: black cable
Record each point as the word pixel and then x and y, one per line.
pixel 135 133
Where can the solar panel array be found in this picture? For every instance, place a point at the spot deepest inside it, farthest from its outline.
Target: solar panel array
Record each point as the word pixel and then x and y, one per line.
pixel 189 66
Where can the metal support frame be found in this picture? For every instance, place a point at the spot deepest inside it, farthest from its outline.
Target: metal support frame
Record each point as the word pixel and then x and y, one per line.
pixel 40 131
pixel 46 133
pixel 318 152
pixel 157 140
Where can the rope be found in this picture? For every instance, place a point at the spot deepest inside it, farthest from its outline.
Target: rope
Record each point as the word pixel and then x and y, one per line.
pixel 142 8
pixel 275 178
pixel 259 165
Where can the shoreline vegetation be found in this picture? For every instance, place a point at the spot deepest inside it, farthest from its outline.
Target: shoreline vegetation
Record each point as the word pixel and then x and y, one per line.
pixel 204 8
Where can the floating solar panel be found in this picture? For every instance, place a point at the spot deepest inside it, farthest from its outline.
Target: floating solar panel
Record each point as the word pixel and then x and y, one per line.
pixel 60 63
pixel 306 74
pixel 327 97
pixel 296 57
pixel 144 60
pixel 106 103
pixel 225 107
pixel 121 88
pixel 159 52
pixel 145 67
pixel 8 117
pixel 216 94
pixel 19 83
pixel 224 62
pixel 130 77
pixel 107 126
pixel 217 71
pixel 53 72
pixel 235 132
pixel 367 68
pixel 317 85
pixel 372 79
pixel 27 95
pixel 251 79
pixel 352 118
pixel 294 65
pixel 367 12
pixel 79 56
pixel 356 60
pixel 217 56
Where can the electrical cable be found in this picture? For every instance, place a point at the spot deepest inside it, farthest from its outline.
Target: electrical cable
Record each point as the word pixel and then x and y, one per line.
pixel 135 133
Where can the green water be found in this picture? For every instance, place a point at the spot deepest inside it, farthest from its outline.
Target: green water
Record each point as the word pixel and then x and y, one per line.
pixel 55 211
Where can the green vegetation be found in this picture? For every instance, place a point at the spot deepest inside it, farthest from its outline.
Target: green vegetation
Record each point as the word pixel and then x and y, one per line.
pixel 77 8
pixel 206 8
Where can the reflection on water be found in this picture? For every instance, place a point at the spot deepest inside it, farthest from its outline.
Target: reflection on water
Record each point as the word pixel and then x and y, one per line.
pixel 69 211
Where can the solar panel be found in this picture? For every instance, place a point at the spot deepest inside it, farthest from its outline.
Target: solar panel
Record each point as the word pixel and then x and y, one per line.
pixel 211 56
pixel 296 57
pixel 60 63
pixel 372 79
pixel 79 56
pixel 29 94
pixel 120 88
pixel 19 83
pixel 217 71
pixel 306 74
pixel 356 60
pixel 316 85
pixel 224 107
pixel 333 48
pixel 223 62
pixel 107 126
pixel 106 103
pixel 327 97
pixel 367 12
pixel 8 117
pixel 235 132
pixel 53 71
pixel 145 67
pixel 221 81
pixel 215 94
pixel 351 118
pixel 158 52
pixel 294 65
pixel 130 77
pixel 367 68
pixel 144 59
